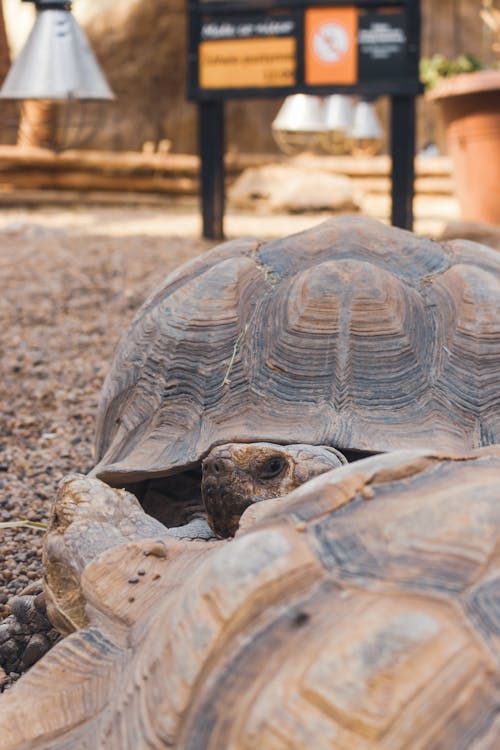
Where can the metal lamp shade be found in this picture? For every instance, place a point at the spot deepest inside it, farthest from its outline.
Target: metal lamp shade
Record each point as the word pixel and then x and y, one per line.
pixel 366 123
pixel 299 124
pixel 339 113
pixel 366 131
pixel 300 112
pixel 339 117
pixel 56 63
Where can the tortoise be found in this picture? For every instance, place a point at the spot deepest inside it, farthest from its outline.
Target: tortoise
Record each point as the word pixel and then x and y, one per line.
pixel 352 335
pixel 359 611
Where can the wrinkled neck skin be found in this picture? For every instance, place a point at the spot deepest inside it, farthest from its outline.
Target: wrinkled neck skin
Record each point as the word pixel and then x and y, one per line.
pixel 236 475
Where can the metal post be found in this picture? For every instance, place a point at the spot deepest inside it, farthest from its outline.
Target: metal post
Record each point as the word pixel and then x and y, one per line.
pixel 403 160
pixel 211 140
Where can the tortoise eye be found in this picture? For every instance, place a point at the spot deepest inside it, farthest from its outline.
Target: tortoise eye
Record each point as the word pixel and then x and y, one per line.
pixel 273 467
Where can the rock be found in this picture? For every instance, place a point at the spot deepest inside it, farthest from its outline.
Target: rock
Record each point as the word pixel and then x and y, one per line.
pixel 476 231
pixel 38 645
pixel 9 655
pixel 294 189
pixel 22 608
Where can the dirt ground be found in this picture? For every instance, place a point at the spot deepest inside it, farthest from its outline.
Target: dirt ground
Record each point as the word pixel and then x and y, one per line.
pixel 68 292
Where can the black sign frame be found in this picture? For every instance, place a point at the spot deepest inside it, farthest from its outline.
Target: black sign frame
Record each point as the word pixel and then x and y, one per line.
pixel 402 89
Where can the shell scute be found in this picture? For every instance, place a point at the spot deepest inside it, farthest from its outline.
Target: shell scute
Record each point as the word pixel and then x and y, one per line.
pixel 391 654
pixel 437 544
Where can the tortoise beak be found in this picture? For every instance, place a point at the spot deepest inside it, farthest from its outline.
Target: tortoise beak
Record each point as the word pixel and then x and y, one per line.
pixel 224 491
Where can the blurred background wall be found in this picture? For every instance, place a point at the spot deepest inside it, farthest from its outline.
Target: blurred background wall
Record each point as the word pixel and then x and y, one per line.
pixel 141 44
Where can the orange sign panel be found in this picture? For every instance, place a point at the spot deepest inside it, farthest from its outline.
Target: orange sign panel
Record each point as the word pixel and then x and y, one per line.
pixel 252 63
pixel 331 46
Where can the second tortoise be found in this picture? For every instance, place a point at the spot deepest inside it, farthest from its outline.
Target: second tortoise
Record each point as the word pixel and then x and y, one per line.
pixel 353 336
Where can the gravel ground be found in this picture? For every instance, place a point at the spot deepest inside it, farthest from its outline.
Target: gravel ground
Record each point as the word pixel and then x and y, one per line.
pixel 66 298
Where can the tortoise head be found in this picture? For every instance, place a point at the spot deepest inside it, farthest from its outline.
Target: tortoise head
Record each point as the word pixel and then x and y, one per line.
pixel 235 475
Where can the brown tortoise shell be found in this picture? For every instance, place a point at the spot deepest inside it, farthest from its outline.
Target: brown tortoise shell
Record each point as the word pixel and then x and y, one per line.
pixel 352 334
pixel 360 612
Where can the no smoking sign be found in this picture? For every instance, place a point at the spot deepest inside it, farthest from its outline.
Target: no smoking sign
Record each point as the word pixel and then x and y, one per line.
pixel 331 42
pixel 331 45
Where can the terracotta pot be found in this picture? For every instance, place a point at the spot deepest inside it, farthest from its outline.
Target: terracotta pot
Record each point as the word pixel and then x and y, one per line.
pixel 471 107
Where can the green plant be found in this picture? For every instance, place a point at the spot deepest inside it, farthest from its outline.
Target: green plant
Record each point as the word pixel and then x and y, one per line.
pixel 432 69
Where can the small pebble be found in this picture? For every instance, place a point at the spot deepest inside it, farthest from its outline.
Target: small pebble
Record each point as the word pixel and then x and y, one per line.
pixel 156 576
pixel 38 645
pixel 301 527
pixel 141 572
pixel 131 599
pixel 133 580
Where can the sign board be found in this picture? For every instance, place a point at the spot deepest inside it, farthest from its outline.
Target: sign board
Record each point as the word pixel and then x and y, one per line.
pixel 263 48
pixel 274 48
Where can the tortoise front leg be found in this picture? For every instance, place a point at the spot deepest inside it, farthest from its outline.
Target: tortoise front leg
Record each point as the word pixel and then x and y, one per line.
pixel 26 634
pixel 89 517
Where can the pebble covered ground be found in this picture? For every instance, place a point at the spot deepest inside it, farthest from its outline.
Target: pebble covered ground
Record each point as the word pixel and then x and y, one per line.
pixel 65 300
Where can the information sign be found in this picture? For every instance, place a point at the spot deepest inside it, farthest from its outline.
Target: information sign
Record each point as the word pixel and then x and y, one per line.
pixel 247 52
pixel 263 48
pixel 274 48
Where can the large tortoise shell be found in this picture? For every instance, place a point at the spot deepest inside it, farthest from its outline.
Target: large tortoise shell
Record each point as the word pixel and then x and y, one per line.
pixel 351 334
pixel 361 611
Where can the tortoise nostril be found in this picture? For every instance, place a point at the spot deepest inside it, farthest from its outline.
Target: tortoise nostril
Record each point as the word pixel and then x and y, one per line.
pixel 218 467
pixel 213 466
